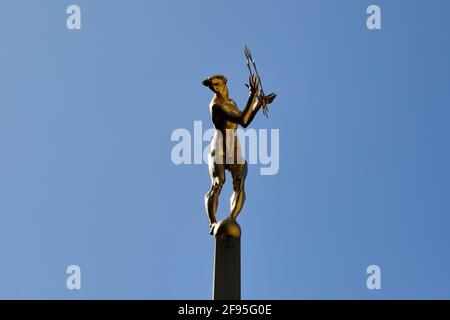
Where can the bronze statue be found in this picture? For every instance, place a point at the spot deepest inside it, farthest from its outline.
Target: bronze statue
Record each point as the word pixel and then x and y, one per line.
pixel 225 149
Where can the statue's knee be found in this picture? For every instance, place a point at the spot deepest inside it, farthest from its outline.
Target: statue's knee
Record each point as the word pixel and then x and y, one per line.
pixel 218 183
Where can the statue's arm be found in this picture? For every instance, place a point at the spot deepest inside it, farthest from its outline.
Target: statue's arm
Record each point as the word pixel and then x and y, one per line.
pixel 251 109
pixel 245 117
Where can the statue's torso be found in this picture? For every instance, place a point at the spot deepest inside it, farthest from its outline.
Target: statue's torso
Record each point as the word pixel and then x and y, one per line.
pixel 225 141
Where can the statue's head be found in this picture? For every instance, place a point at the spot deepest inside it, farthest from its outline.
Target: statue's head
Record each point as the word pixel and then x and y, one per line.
pixel 217 83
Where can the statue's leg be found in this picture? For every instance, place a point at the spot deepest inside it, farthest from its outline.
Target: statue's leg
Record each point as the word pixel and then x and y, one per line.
pixel 238 173
pixel 217 174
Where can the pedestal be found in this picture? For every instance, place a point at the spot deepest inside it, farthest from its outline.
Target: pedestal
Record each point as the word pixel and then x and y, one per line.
pixel 227 261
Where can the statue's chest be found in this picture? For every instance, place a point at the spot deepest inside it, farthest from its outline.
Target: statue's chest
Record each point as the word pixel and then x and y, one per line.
pixel 231 105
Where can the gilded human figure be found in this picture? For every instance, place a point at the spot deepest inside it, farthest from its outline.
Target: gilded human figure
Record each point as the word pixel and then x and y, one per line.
pixel 225 148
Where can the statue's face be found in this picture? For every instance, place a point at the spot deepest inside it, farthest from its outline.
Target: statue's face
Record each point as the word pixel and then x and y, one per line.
pixel 219 86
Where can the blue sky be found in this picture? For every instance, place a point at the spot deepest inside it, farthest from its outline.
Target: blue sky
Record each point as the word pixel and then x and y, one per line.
pixel 86 176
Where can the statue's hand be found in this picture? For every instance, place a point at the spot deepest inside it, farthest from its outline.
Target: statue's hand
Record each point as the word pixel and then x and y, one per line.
pixel 252 85
pixel 266 100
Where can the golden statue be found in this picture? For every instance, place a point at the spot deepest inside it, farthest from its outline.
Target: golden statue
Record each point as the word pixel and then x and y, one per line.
pixel 225 148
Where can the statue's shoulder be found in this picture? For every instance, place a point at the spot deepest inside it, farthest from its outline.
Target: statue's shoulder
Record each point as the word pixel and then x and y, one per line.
pixel 216 104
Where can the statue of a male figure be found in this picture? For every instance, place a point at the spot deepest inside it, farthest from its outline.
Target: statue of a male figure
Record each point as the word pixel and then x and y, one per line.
pixel 225 148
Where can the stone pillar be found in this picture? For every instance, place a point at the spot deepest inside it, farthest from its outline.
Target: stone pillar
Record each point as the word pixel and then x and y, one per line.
pixel 227 261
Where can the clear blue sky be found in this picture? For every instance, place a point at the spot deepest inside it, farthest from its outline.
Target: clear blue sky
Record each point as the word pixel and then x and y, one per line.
pixel 86 176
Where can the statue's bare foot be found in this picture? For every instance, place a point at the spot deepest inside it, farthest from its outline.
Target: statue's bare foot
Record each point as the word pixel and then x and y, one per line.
pixel 211 228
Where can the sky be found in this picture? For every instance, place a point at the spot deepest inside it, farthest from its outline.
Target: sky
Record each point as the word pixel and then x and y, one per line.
pixel 87 179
